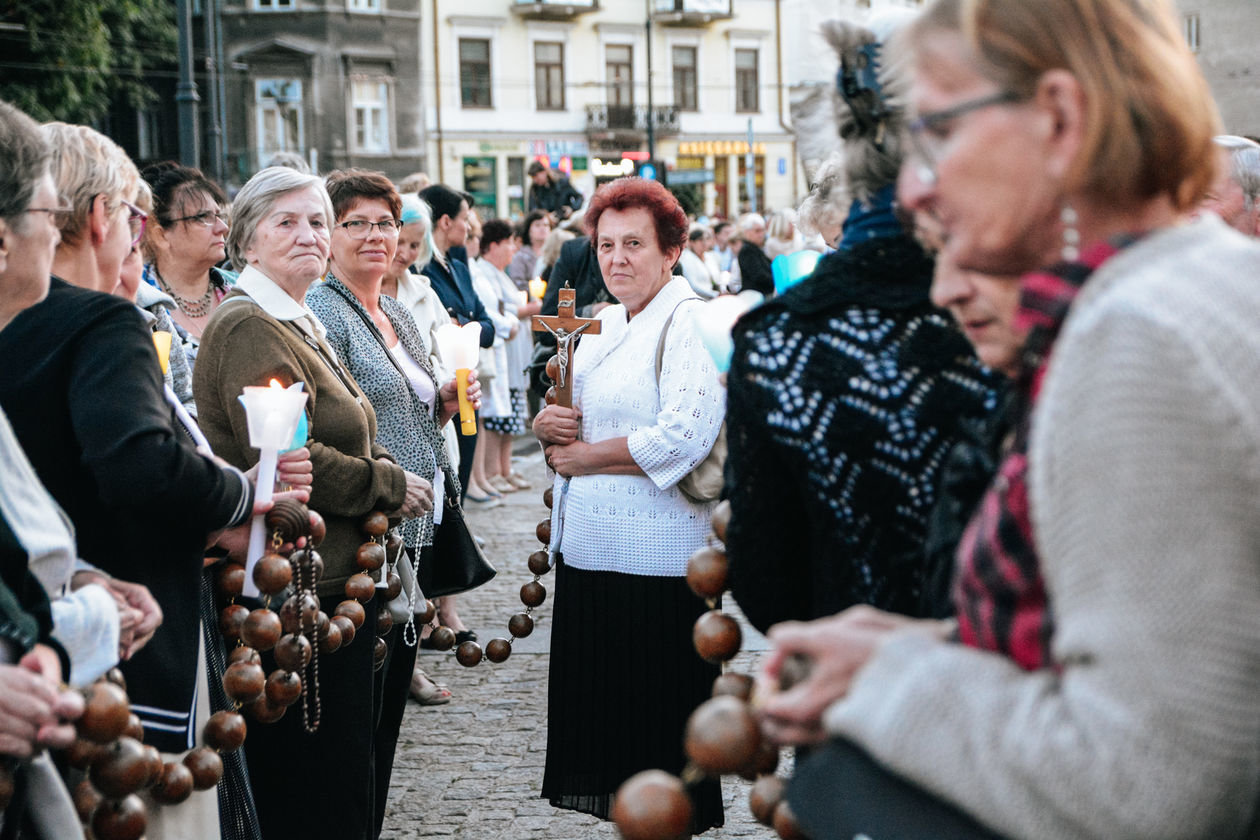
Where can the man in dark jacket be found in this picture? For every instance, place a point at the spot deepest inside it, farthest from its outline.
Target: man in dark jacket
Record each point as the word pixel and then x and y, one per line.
pixel 754 266
pixel 552 192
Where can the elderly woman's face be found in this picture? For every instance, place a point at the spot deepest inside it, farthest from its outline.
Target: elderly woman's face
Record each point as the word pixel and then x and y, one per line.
pixel 364 254
pixel 630 257
pixel 978 164
pixel 290 245
pixel 985 308
pixel 31 241
pixel 410 243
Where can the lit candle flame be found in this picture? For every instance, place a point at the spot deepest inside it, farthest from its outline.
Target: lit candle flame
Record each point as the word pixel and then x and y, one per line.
pixel 275 383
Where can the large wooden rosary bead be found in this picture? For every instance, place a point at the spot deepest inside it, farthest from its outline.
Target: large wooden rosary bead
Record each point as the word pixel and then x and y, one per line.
pixel 154 760
pixel 553 368
pixel 533 594
pixel 115 676
pixel 706 572
pixel 721 519
pixel 319 529
pixel 393 545
pixel 82 753
pixel 733 684
pixel 550 397
pixel 135 729
pixel 122 819
pixel 722 736
pixel 261 629
pixel 85 797
pixel 384 622
pixel 370 556
pixel 321 625
pixel 379 652
pixel 345 626
pixel 230 581
pixel 652 805
pixel 225 731
pixel 298 612
pixel 468 654
pixel 717 636
pixel 272 573
pixel 785 824
pixel 105 713
pixel 174 785
pixel 244 681
pixel 206 767
pixel 290 518
pixel 331 641
pixel 765 762
pixel 520 625
pixel 425 616
pixel 547 497
pixel 393 586
pixel 244 653
pixel 765 796
pixel 376 524
pixel 122 770
pixel 354 611
pixel 540 562
pixel 264 711
pixel 360 587
pixel 230 621
pixel 293 652
pixel 543 532
pixel 443 638
pixel 283 688
pixel 498 650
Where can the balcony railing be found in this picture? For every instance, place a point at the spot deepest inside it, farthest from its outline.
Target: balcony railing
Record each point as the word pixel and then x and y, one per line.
pixel 553 9
pixel 601 118
pixel 690 12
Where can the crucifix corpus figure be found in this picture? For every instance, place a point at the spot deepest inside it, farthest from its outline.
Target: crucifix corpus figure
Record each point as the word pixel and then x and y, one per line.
pixel 566 327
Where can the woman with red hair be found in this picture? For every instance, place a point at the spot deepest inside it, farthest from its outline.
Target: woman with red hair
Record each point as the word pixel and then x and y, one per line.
pixel 624 676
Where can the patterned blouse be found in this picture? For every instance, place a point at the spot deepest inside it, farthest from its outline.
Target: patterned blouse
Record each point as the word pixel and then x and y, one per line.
pixel 405 426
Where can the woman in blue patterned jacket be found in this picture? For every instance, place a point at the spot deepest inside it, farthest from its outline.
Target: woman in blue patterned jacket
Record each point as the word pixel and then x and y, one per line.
pixel 846 394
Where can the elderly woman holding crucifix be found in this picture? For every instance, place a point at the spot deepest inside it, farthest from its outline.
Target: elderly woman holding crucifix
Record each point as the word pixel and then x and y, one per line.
pixel 624 675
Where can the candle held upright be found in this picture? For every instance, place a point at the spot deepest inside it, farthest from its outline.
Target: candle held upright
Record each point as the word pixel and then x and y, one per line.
pixel 458 348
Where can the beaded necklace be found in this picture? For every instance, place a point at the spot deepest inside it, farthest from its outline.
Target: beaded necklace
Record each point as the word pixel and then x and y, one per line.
pixel 191 308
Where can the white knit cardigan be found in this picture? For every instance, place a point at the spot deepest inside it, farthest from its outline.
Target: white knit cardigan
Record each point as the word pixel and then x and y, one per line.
pixel 641 524
pixel 1145 489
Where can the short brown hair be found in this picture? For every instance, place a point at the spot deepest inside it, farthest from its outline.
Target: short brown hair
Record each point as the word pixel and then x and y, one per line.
pixel 1149 114
pixel 347 187
pixel 628 193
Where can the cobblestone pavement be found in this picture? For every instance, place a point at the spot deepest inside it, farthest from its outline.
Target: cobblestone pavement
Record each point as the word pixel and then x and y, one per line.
pixel 472 769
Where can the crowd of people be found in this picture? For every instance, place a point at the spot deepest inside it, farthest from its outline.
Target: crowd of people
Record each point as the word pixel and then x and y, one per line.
pixel 991 467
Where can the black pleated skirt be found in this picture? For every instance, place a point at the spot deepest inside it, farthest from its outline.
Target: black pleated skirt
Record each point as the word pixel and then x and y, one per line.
pixel 624 679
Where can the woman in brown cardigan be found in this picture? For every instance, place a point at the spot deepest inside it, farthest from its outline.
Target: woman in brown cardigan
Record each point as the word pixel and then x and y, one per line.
pixel 319 784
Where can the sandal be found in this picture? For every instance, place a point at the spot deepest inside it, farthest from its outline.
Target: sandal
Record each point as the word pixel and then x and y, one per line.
pixel 519 480
pixel 462 636
pixel 426 692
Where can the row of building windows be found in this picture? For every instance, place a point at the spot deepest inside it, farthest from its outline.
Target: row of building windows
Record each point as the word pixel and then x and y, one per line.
pixel 279 116
pixel 549 88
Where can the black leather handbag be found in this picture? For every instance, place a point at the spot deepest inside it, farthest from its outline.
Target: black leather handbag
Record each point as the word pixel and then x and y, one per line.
pixel 458 564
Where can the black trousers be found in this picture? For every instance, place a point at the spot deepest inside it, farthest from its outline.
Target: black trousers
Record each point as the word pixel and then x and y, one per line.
pixel 838 793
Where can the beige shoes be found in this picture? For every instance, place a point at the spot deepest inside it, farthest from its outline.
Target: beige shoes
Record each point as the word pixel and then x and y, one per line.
pixel 427 692
pixel 518 480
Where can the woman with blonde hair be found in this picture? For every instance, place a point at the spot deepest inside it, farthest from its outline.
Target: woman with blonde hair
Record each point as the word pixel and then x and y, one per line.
pixel 1102 677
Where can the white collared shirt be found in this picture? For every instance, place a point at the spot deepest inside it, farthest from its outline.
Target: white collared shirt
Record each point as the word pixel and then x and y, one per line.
pixel 277 303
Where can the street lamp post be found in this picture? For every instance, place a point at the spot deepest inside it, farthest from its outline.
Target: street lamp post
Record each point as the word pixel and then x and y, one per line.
pixel 186 97
pixel 651 114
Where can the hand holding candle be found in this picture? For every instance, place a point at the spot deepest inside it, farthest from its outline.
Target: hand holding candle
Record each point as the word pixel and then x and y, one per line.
pixel 458 348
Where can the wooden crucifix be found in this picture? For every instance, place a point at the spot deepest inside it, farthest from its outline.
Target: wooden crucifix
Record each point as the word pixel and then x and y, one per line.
pixel 566 327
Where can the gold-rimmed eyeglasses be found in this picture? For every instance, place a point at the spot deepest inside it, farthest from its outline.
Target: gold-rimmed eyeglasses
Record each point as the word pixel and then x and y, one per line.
pixel 928 137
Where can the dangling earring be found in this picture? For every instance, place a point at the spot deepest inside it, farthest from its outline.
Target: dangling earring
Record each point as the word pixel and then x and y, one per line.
pixel 1071 250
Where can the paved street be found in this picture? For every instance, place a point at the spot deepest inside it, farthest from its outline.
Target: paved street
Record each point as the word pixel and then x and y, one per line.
pixel 472 769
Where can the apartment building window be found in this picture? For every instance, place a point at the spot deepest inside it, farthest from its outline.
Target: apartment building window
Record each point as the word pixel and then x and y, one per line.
pixel 746 100
pixel 273 5
pixel 278 117
pixel 684 78
pixel 474 72
pixel 619 71
pixel 369 102
pixel 549 75
pixel 364 5
pixel 1192 31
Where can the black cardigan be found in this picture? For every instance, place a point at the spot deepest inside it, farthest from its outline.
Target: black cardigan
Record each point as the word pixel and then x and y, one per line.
pixel 83 391
pixel 844 396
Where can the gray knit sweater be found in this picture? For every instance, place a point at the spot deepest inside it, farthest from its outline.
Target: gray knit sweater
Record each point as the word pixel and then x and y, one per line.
pixel 1145 489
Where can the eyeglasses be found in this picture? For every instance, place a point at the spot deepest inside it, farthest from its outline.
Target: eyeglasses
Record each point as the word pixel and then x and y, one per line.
pixel 56 214
pixel 362 228
pixel 927 139
pixel 137 219
pixel 206 217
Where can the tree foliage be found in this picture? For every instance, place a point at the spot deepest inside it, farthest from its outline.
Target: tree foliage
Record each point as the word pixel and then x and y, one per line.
pixel 69 59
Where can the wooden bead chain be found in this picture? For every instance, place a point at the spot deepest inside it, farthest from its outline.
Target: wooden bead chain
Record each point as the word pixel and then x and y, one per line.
pixel 722 735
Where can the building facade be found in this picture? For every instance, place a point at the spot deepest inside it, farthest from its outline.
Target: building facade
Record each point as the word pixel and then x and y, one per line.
pixel 1224 34
pixel 595 89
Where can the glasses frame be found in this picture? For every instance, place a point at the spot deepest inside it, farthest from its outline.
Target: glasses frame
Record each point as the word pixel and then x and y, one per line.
pixel 387 227
pixel 925 161
pixel 135 213
pixel 217 216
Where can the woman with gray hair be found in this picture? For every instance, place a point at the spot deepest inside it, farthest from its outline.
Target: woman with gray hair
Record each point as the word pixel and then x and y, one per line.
pixel 849 476
pixel 1235 195
pixel 262 331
